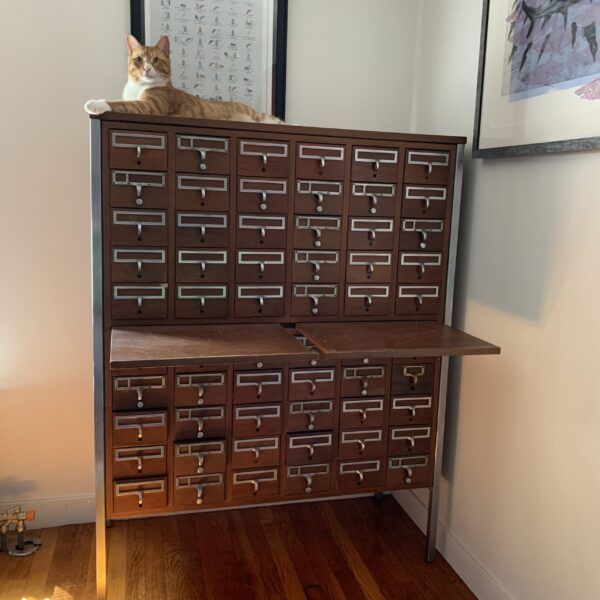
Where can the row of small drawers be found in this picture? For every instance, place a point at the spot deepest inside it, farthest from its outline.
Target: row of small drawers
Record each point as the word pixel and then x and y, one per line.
pixel 270 158
pixel 211 301
pixel 258 420
pixel 149 265
pixel 192 491
pixel 209 386
pixel 197 229
pixel 148 189
pixel 209 456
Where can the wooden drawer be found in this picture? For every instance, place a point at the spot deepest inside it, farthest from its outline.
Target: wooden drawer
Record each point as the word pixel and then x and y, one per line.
pixel 138 150
pixel 422 235
pixel 263 158
pixel 317 232
pixel 423 201
pixel 369 267
pixel 193 491
pixel 420 267
pixel 362 443
pixel 202 301
pixel 140 389
pixel 202 154
pixel 418 300
pixel 138 189
pixel 140 495
pixel 316 266
pixel 371 234
pixel 314 300
pixel 259 301
pixel 202 229
pixel 148 301
pixel 375 164
pixel 362 412
pixel 255 452
pixel 139 228
pixel 319 197
pixel 262 195
pixel 257 419
pixel 408 471
pixel 357 475
pixel 209 193
pixel 140 461
pixel 308 384
pixel 202 266
pixel 139 428
pixel 312 415
pixel 254 485
pixel 142 265
pixel 427 166
pixel 261 231
pixel 200 457
pixel 320 161
pixel 258 386
pixel 260 266
pixel 413 378
pixel 363 380
pixel 373 199
pixel 200 423
pixel 368 300
pixel 310 447
pixel 307 479
pixel 411 410
pixel 410 440
pixel 200 388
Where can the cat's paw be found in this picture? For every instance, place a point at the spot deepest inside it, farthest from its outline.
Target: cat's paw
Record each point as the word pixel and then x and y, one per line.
pixel 96 107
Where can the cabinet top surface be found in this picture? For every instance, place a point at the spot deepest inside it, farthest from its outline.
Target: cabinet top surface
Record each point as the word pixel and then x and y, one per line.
pixel 392 339
pixel 123 118
pixel 181 345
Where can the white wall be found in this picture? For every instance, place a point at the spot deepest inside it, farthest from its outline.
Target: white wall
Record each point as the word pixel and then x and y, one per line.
pixel 57 55
pixel 348 64
pixel 520 503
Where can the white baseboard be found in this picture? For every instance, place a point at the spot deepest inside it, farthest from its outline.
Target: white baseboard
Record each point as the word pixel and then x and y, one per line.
pixel 53 512
pixel 479 579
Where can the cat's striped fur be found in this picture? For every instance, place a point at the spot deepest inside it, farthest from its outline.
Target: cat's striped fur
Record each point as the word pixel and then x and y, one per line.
pixel 149 91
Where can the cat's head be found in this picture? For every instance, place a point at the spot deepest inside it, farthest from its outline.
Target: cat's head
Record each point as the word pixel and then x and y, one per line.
pixel 149 65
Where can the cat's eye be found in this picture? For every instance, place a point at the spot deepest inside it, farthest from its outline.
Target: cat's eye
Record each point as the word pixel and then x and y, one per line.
pixel 138 60
pixel 155 60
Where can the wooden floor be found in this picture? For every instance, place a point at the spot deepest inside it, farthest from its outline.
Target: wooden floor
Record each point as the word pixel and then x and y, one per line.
pixel 360 548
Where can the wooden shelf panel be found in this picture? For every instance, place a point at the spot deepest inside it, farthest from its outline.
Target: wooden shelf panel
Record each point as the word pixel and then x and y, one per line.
pixel 392 340
pixel 184 345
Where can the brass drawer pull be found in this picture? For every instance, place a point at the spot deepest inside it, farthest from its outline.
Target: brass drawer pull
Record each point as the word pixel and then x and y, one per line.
pixel 363 414
pixel 413 372
pixel 254 483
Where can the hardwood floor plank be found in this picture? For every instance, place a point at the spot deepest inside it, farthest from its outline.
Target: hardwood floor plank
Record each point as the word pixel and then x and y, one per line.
pixel 338 550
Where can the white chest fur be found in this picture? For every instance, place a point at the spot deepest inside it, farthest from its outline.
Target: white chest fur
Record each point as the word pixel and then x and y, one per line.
pixel 132 91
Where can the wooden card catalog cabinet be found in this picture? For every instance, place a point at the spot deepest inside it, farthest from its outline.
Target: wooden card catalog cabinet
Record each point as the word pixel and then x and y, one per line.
pixel 215 242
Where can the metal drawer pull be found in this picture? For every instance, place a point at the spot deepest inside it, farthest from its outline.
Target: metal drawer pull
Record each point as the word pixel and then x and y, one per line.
pixel 254 482
pixel 361 446
pixel 138 155
pixel 421 268
pixel 139 231
pixel 322 162
pixel 363 414
pixel 263 232
pixel 311 420
pixel 426 202
pixel 256 453
pixel 413 373
pixel 259 387
pixel 364 384
pixel 139 464
pixel 419 301
pixel 373 199
pixel 411 442
pixel 308 488
pixel 423 235
pixel 203 193
pixel 200 487
pixel 313 386
pixel 368 301
pixel 264 159
pixel 319 198
pixel 318 234
pixel 258 422
pixel 370 268
pixel 413 411
pixel 140 494
pixel 372 234
pixel 263 200
pixel 361 477
pixel 315 302
pixel 376 165
pixel 316 267
pixel 140 393
pixel 310 448
pixel 409 474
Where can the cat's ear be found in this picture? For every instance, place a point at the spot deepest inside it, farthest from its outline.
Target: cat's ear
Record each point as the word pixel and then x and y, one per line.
pixel 132 43
pixel 163 44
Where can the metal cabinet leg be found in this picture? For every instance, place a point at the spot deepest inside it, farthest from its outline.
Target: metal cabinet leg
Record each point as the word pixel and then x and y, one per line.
pixel 434 492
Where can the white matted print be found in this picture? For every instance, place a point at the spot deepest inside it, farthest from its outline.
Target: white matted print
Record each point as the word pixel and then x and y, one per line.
pixel 539 81
pixel 220 49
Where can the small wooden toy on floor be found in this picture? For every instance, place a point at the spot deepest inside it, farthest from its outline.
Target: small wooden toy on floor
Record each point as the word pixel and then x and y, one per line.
pixel 14 519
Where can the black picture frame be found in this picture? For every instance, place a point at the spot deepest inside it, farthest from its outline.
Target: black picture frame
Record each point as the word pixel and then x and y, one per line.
pixel 572 145
pixel 279 47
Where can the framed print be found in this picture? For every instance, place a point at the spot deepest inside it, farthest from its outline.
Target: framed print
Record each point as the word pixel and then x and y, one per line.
pixel 538 89
pixel 231 50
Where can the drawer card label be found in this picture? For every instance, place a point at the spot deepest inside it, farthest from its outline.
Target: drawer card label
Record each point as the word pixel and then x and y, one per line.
pixel 429 194
pixel 139 141
pixel 372 225
pixel 202 183
pixel 313 375
pixel 428 159
pixel 263 149
pixel 378 190
pixel 250 257
pixel 260 223
pixel 319 188
pixel 368 291
pixel 202 221
pixel 201 292
pixel 421 259
pixel 139 257
pixel 201 144
pixel 139 218
pixel 263 187
pixel 256 292
pixel 425 225
pixel 321 153
pixel 359 467
pixel 202 257
pixel 376 156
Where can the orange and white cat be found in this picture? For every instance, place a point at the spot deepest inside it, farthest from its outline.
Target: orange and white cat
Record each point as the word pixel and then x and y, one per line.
pixel 149 91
